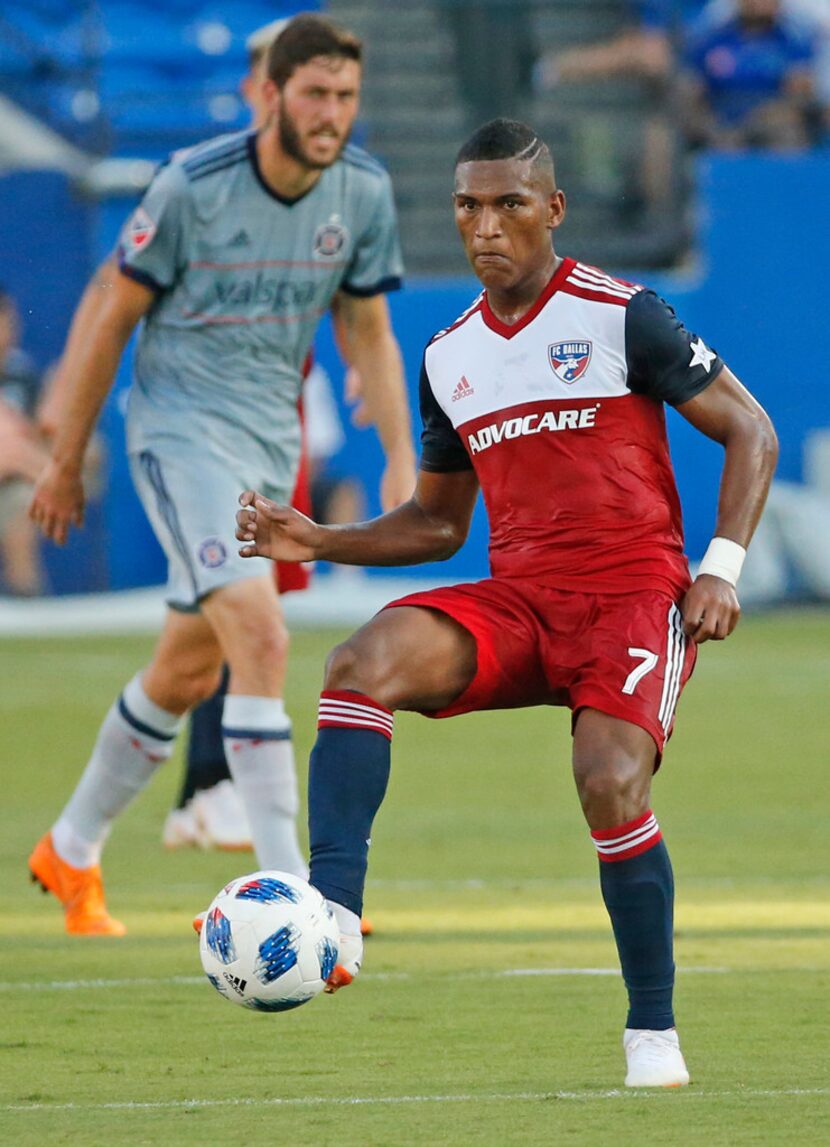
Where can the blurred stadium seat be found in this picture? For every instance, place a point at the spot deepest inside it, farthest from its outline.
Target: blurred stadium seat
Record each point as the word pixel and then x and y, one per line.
pixel 143 76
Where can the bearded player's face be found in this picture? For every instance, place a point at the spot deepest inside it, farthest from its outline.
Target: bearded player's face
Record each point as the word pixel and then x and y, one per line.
pixel 505 213
pixel 316 109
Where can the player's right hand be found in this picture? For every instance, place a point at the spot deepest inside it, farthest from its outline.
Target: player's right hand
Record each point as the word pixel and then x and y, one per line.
pixel 270 530
pixel 58 501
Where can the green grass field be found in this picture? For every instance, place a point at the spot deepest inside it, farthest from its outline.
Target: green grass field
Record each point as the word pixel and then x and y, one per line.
pixel 489 1011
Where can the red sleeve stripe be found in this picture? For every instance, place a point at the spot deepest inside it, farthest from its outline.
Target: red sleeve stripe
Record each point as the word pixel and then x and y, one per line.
pixel 629 839
pixel 600 283
pixel 593 296
pixel 594 274
pixel 344 710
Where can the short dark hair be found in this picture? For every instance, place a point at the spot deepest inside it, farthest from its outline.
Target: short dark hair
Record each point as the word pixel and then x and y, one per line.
pixel 305 37
pixel 507 139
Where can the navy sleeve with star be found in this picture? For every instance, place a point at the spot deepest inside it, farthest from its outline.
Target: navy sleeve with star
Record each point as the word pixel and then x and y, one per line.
pixel 665 360
pixel 442 451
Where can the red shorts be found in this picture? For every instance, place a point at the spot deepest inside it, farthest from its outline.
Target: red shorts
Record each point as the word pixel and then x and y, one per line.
pixel 291 577
pixel 623 654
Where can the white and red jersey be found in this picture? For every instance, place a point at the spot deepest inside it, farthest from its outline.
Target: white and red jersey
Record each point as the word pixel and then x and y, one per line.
pixel 561 416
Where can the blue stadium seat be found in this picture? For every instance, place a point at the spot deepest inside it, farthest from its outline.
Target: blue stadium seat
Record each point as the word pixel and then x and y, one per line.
pixel 132 74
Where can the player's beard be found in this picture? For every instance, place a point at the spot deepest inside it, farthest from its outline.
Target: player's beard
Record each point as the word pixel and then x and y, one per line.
pixel 292 143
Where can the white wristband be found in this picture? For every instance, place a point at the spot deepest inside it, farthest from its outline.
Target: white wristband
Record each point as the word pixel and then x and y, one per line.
pixel 724 558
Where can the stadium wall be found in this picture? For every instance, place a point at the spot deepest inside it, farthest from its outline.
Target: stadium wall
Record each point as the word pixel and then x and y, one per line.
pixel 756 292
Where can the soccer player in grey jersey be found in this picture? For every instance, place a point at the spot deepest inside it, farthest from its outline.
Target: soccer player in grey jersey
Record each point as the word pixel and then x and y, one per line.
pixel 238 248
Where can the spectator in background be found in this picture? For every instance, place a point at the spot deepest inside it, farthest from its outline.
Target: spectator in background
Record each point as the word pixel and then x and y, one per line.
pixel 750 75
pixel 644 50
pixel 22 457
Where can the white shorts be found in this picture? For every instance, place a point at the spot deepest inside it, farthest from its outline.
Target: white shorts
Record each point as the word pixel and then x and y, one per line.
pixel 191 499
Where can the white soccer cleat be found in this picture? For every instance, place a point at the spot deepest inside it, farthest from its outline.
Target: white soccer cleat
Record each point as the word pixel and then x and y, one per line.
pixel 181 829
pixel 221 820
pixel 350 956
pixel 654 1059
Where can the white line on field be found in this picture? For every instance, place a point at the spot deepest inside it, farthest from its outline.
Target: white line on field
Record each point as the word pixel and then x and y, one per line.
pixel 378 1100
pixel 187 981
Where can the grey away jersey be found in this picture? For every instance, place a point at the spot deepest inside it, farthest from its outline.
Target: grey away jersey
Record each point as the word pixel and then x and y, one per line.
pixel 242 278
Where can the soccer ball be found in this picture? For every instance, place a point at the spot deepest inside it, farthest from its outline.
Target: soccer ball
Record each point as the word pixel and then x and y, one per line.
pixel 269 942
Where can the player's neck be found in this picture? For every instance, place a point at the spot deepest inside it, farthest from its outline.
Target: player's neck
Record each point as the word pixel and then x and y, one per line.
pixel 284 175
pixel 511 304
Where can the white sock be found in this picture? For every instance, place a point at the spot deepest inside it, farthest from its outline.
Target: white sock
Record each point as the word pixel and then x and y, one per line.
pixel 257 737
pixel 135 738
pixel 347 921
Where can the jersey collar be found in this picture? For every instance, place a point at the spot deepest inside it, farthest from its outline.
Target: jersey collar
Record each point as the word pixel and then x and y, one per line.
pixel 254 158
pixel 508 330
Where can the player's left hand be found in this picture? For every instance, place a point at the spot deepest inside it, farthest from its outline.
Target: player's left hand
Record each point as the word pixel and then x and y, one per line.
pixel 270 530
pixel 710 609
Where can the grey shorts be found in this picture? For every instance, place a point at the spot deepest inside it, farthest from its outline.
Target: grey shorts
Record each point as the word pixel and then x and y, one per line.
pixel 191 499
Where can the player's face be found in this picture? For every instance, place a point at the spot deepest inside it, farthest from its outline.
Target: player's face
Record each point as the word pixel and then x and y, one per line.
pixel 316 109
pixel 505 215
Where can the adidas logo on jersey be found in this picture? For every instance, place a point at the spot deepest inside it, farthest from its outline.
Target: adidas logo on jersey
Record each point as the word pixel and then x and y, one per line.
pixel 551 420
pixel 463 390
pixel 240 239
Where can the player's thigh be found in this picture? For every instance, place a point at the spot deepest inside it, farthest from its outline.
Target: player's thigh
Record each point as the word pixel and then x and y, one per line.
pixel 406 658
pixel 247 619
pixel 191 498
pixel 635 660
pixel 186 665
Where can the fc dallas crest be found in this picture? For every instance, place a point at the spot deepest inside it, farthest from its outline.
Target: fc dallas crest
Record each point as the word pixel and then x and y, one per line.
pixel 569 360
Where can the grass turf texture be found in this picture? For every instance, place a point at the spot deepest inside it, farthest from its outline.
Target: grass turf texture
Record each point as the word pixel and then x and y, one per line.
pixel 481 869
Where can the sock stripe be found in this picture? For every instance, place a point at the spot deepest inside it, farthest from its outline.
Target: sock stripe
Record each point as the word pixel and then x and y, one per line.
pixel 141 726
pixel 356 713
pixel 339 711
pixel 257 734
pixel 629 839
pixel 356 700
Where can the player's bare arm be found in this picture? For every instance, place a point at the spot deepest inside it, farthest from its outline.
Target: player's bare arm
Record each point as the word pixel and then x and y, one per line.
pixel 726 412
pixel 52 407
pixel 375 355
pixel 58 499
pixel 431 526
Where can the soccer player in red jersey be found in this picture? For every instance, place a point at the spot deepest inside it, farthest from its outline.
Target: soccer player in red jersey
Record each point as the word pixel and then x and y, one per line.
pixel 548 395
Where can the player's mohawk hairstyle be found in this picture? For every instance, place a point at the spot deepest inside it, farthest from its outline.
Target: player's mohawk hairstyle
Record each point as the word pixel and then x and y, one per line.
pixel 506 139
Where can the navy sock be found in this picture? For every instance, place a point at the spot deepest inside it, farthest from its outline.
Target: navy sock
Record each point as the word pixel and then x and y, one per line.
pixel 638 890
pixel 347 781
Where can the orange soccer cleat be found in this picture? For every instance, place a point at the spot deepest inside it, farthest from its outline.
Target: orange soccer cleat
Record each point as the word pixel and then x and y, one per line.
pixel 80 891
pixel 348 965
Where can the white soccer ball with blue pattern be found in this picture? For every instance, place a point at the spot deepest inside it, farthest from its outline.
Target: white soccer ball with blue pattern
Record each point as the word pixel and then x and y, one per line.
pixel 269 942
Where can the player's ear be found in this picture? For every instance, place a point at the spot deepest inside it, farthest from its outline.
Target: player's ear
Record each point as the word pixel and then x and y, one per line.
pixel 556 209
pixel 271 95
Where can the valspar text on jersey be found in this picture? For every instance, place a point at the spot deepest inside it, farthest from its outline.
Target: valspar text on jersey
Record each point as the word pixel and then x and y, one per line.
pixel 551 420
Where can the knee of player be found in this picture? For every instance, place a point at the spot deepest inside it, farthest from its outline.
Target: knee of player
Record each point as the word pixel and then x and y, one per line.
pixel 600 780
pixel 268 643
pixel 196 684
pixel 361 667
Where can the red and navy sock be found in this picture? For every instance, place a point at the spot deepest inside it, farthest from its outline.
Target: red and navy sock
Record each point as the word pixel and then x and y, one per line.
pixel 638 890
pixel 347 781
